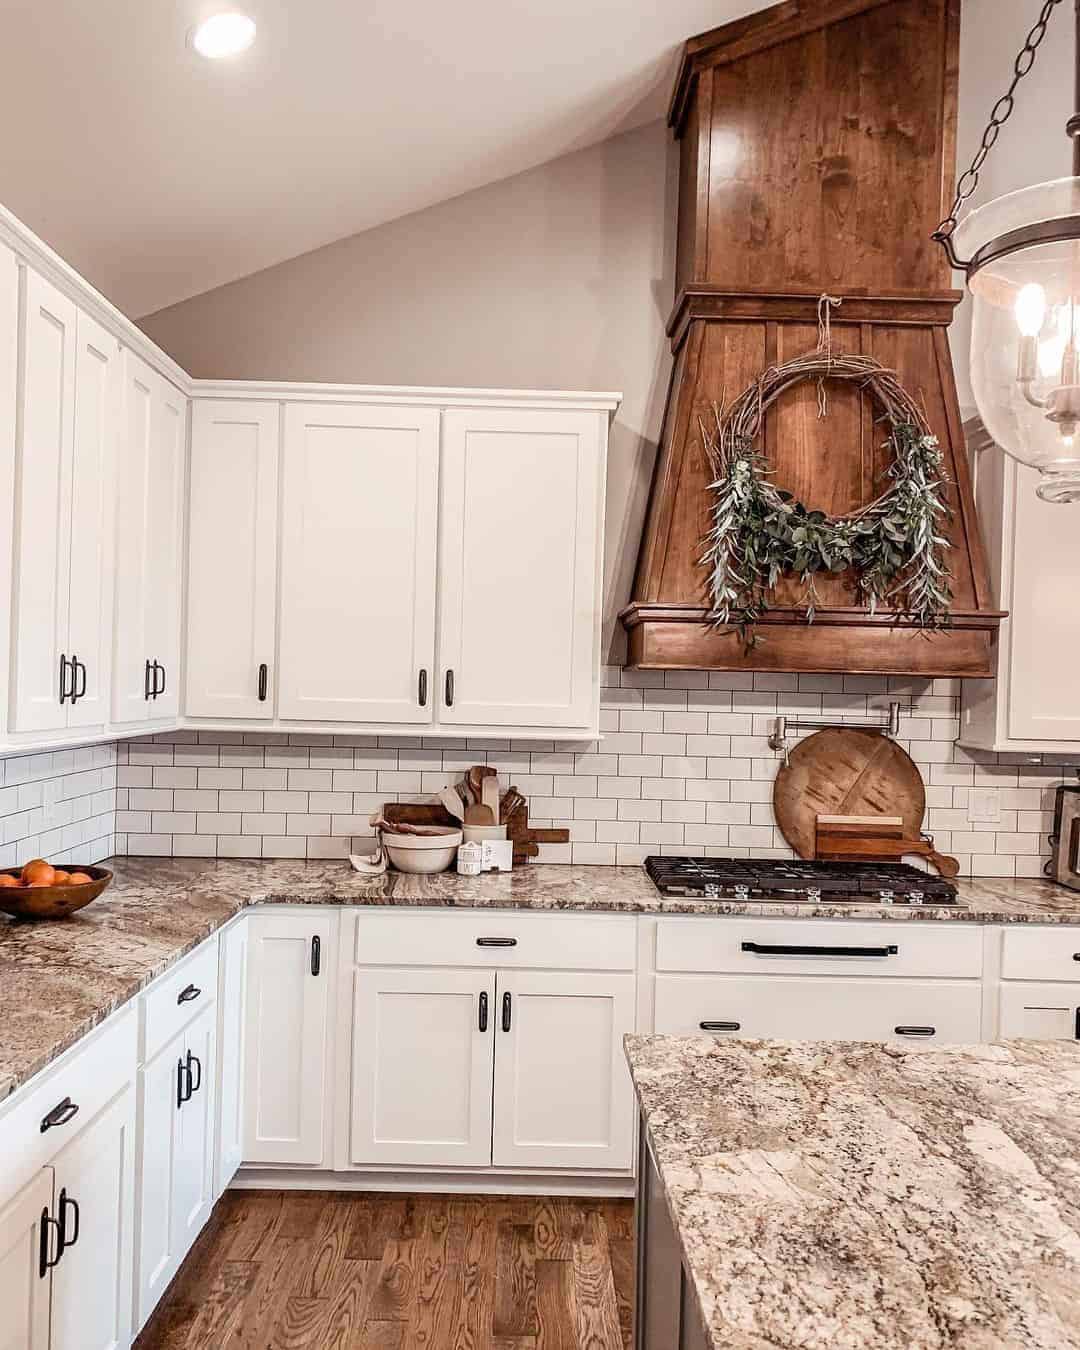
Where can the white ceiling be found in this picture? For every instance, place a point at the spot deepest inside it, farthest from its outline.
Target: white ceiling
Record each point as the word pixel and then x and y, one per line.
pixel 160 175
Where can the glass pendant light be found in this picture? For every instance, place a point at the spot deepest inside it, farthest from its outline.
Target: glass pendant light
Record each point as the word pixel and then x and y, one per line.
pixel 1021 255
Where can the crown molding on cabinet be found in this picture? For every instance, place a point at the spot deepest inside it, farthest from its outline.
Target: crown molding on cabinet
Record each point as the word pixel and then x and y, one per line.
pixel 412 395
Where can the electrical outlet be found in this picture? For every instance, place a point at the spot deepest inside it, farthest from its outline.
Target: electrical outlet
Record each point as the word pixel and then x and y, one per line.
pixel 984 806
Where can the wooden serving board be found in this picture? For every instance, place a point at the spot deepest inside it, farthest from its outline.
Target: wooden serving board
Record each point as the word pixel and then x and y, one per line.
pixel 845 771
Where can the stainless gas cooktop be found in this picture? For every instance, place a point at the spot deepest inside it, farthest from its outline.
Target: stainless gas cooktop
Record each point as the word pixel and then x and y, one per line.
pixel 798 879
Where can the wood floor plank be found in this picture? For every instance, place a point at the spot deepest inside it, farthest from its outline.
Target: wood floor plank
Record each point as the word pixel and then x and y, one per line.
pixel 437 1290
pixel 515 1281
pixel 257 1226
pixel 348 1312
pixel 473 1330
pixel 594 1289
pixel 556 1306
pixel 391 1300
pixel 621 1255
pixel 557 1225
pixel 221 1309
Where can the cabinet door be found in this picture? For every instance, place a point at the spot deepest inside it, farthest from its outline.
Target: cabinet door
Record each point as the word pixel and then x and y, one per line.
pixel 164 540
pixel 193 1176
pixel 358 563
pixel 97 387
pixel 818 1009
pixel 24 1291
pixel 95 1203
pixel 421 1077
pixel 519 534
pixel 131 702
pixel 1044 1012
pixel 43 507
pixel 563 1096
pixel 285 1037
pixel 156 1258
pixel 232 559
pixel 230 1079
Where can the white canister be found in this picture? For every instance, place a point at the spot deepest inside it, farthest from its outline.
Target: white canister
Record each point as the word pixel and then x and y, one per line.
pixel 470 858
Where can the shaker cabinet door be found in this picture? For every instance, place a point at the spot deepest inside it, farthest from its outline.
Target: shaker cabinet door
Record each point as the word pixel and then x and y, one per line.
pixel 232 559
pixel 358 563
pixel 131 659
pixel 164 545
pixel 24 1289
pixel 1043 1012
pixel 520 555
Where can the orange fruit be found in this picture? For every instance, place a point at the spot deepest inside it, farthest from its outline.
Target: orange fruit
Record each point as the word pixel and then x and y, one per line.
pixel 7 880
pixel 78 879
pixel 38 872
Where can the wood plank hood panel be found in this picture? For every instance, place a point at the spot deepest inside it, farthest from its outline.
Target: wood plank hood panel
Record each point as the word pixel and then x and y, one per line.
pixel 816 151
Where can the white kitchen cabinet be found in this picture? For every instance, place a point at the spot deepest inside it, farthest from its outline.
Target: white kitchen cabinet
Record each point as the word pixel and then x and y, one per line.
pixel 812 1008
pixel 1031 706
pixel 176 1160
pixel 563 1096
pixel 24 1288
pixel 232 559
pixel 421 1067
pixel 9 371
pixel 146 675
pixel 290 966
pixel 94 1206
pixel 360 498
pixel 63 514
pixel 520 538
pixel 1044 1012
pixel 232 996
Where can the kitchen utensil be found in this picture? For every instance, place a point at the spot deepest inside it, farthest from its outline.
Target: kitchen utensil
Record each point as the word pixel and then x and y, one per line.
pixel 860 839
pixel 846 771
pixel 512 801
pixel 1064 864
pixel 53 902
pixel 422 852
pixel 451 799
pixel 490 794
pixel 382 822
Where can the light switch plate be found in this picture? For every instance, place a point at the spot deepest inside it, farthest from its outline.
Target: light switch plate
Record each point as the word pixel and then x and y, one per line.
pixel 984 806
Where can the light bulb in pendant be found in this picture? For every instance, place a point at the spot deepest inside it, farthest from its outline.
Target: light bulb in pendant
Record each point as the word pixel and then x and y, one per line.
pixel 1030 309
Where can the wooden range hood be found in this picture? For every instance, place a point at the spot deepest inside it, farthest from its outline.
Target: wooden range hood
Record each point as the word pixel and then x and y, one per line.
pixel 817 149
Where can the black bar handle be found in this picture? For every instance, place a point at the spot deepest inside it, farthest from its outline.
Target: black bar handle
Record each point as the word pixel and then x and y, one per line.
pixel 496 942
pixel 316 955
pixel 264 681
pixel 915 1031
pixel 159 688
pixel 78 679
pixel 421 689
pixel 183 1083
pixel 1076 1026
pixel 1076 956
pixel 189 994
pixel 63 680
pixel 61 1113
pixel 194 1079
pixel 46 1260
pixel 783 949
pixel 68 1203
pixel 483 1022
pixel 720 1026
pixel 449 688
pixel 506 1010
pixel 146 681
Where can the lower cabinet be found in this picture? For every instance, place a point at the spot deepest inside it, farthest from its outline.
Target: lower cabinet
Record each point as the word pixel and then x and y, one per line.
pixel 1044 1012
pixel 24 1285
pixel 177 1155
pixel 232 994
pixel 290 967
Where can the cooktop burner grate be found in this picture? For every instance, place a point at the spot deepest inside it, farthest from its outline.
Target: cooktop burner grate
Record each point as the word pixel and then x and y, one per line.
pixel 798 879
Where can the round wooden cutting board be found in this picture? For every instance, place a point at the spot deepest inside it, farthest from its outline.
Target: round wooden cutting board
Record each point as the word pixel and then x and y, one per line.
pixel 843 771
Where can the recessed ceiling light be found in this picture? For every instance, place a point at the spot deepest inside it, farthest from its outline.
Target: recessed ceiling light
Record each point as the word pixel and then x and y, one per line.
pixel 224 35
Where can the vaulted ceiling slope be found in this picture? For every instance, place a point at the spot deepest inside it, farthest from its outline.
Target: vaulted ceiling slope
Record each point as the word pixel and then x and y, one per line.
pixel 160 175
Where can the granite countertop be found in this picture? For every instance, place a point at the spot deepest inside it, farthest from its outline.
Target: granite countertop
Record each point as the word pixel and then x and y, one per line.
pixel 59 980
pixel 844 1194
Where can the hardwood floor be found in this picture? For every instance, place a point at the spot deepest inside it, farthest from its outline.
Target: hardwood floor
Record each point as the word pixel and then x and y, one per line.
pixel 320 1270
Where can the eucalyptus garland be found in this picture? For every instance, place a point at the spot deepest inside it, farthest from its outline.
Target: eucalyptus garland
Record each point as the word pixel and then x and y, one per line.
pixel 894 547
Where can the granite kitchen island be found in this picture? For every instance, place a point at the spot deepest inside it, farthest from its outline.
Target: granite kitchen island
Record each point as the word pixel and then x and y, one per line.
pixel 848 1194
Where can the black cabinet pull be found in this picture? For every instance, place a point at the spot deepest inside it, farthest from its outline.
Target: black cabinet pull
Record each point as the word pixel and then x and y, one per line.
pixel 159 689
pixel 1076 956
pixel 46 1260
pixel 183 1083
pixel 78 679
pixel 720 1026
pixel 68 1203
pixel 61 1113
pixel 496 942
pixel 189 994
pixel 421 689
pixel 146 680
pixel 316 955
pixel 264 678
pixel 782 949
pixel 506 1011
pixel 915 1031
pixel 194 1079
pixel 449 688
pixel 65 692
pixel 483 1011
pixel 1076 1026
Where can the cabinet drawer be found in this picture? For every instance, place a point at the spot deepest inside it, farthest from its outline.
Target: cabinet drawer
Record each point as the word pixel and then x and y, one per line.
pixel 1050 953
pixel 177 996
pixel 813 1009
pixel 485 938
pixel 827 947
pixel 1043 1012
pixel 88 1077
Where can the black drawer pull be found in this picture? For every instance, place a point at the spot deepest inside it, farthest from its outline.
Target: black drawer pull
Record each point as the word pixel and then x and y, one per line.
pixel 159 689
pixel 146 681
pixel 65 692
pixel 496 942
pixel 782 949
pixel 915 1031
pixel 316 955
pixel 264 679
pixel 1076 956
pixel 483 1022
pixel 449 688
pixel 183 1083
pixel 421 689
pixel 189 994
pixel 78 677
pixel 46 1260
pixel 720 1026
pixel 506 1011
pixel 66 1203
pixel 195 1079
pixel 61 1113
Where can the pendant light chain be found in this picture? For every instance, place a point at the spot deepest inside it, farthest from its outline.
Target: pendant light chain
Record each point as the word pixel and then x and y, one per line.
pixel 999 115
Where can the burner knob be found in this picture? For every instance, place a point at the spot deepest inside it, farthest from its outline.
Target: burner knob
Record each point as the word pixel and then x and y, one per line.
pixel 742 892
pixel 916 897
pixel 886 897
pixel 813 893
pixel 712 891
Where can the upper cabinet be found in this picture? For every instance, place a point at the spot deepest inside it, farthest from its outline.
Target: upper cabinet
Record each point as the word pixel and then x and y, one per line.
pixel 1031 706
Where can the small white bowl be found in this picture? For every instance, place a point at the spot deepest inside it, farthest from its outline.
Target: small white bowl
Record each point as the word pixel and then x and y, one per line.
pixel 422 852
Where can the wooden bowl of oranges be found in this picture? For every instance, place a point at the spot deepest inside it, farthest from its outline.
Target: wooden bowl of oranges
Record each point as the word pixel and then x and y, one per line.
pixel 40 891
